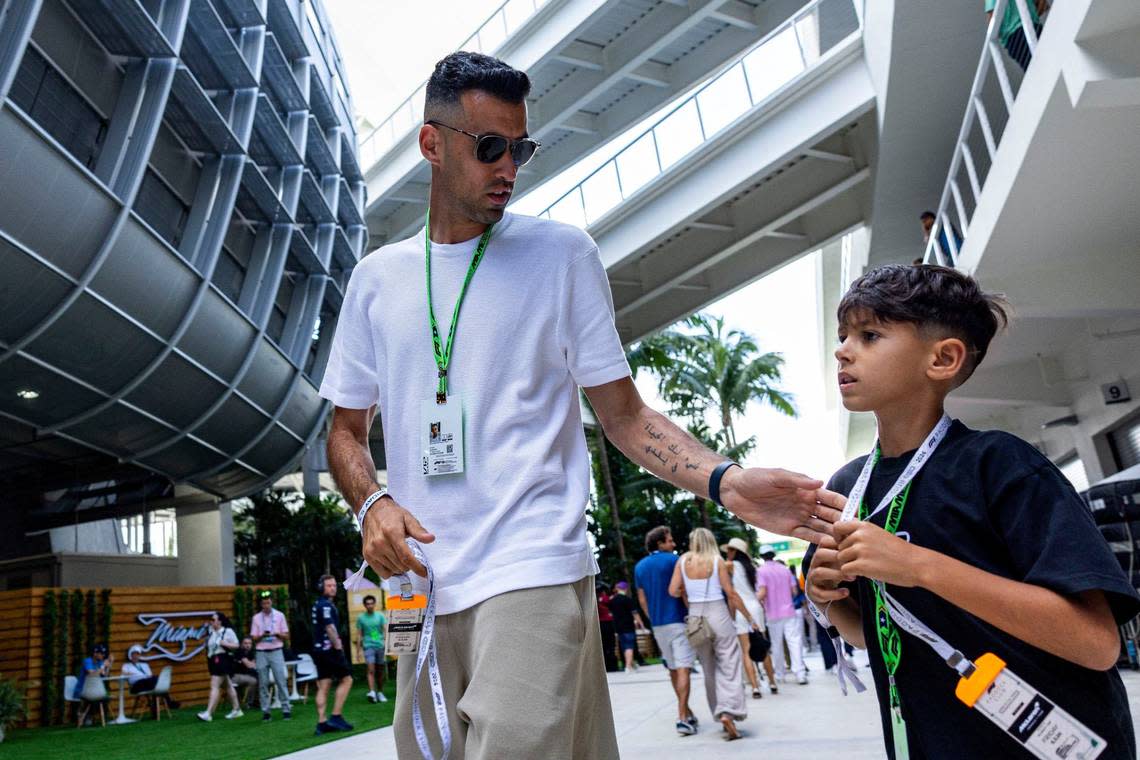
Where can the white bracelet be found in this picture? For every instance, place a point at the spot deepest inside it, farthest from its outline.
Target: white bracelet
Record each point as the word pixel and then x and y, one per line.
pixel 368 505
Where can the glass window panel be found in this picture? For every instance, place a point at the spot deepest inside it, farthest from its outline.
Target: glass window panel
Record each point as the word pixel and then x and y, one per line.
pixel 569 210
pixel 601 192
pixel 773 64
pixel 678 134
pixel 723 100
pixel 637 164
pixel 492 34
pixel 517 12
pixel 807 27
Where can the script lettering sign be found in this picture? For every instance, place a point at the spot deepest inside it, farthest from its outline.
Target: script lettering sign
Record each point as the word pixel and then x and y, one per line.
pixel 177 636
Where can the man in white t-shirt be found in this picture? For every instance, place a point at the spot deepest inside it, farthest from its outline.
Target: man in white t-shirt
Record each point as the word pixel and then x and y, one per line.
pixel 487 462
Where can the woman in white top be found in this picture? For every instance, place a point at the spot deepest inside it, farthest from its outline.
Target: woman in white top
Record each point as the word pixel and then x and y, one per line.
pixel 220 646
pixel 743 573
pixel 702 580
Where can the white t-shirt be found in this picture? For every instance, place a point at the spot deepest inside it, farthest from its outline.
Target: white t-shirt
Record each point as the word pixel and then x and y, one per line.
pixel 537 322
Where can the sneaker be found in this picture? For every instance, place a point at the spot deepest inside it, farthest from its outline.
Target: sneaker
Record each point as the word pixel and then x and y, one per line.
pixel 685 728
pixel 802 680
pixel 372 697
pixel 757 694
pixel 324 728
pixel 205 716
pixel 266 716
pixel 774 689
pixel 380 697
pixel 693 719
pixel 286 715
pixel 234 714
pixel 338 722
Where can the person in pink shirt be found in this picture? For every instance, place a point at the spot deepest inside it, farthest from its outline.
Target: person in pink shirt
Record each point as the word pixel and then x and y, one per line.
pixel 270 634
pixel 776 586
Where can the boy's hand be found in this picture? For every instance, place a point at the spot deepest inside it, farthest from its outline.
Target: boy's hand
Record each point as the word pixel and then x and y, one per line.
pixel 826 574
pixel 867 550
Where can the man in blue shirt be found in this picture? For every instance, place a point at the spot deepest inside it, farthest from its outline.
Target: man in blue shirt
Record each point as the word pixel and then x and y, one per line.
pixel 328 656
pixel 667 618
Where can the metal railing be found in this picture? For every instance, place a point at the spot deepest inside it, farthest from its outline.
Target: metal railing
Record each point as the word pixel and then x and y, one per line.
pixel 755 76
pixel 945 241
pixel 507 19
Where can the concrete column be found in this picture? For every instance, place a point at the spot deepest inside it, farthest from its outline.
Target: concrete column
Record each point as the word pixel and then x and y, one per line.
pixel 205 544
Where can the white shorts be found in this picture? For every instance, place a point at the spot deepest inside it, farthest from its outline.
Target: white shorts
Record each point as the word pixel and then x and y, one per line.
pixel 674 645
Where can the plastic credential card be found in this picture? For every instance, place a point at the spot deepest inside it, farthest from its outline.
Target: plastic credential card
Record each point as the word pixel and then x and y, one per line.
pixel 1043 728
pixel 405 622
pixel 441 436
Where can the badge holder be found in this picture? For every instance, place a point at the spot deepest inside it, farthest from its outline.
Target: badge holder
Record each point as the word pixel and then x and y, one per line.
pixel 405 621
pixel 1043 728
pixel 441 435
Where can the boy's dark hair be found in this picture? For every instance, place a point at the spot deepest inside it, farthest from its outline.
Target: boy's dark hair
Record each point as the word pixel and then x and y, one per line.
pixel 369 597
pixel 463 71
pixel 655 536
pixel 936 300
pixel 928 214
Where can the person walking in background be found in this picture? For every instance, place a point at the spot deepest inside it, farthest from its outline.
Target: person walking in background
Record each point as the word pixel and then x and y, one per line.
pixel 328 656
pixel 370 646
pixel 606 625
pixel 1011 33
pixel 776 587
pixel 626 622
pixel 743 573
pixel 270 634
pixel 653 575
pixel 702 579
pixel 220 646
pixel 245 672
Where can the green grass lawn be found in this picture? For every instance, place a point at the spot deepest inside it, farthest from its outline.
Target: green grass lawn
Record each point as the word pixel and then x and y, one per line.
pixel 184 736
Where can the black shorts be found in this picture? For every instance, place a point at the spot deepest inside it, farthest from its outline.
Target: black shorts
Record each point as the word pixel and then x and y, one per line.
pixel 331 664
pixel 220 665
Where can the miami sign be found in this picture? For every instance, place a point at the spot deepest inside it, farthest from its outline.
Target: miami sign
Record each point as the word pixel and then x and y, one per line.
pixel 177 636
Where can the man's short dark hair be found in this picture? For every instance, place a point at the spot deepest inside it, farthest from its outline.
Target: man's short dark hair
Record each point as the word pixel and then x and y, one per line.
pixel 928 214
pixel 937 300
pixel 322 579
pixel 370 598
pixel 656 537
pixel 464 71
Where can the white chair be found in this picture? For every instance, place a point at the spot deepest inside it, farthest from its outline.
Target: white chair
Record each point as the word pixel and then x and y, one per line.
pixel 69 683
pixel 306 671
pixel 159 694
pixel 94 692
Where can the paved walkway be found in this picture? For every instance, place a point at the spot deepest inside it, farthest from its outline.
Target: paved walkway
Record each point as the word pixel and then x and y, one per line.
pixel 801 721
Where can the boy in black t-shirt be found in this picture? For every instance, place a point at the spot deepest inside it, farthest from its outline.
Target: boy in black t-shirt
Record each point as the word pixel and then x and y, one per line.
pixel 989 545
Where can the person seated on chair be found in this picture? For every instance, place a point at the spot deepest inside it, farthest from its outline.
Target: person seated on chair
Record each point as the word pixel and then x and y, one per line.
pixel 139 676
pixel 245 670
pixel 97 665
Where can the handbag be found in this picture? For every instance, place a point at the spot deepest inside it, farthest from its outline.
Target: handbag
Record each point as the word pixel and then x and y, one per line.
pixel 697 627
pixel 758 646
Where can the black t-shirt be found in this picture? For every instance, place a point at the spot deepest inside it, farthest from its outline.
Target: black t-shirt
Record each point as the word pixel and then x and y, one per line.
pixel 324 612
pixel 241 653
pixel 622 608
pixel 992 501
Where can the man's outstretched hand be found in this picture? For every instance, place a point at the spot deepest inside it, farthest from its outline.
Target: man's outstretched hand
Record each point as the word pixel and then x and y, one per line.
pixel 781 502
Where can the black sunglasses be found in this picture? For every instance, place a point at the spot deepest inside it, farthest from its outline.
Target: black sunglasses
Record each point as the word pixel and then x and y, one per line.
pixel 490 148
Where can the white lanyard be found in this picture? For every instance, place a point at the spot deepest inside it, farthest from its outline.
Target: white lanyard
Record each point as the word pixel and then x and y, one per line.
pixel 904 619
pixel 920 457
pixel 426 654
pixel 854 499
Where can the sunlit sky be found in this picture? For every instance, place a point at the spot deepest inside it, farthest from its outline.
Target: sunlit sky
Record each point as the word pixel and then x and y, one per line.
pixel 390 48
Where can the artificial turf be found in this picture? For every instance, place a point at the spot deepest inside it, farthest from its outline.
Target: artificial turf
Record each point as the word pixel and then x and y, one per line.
pixel 184 736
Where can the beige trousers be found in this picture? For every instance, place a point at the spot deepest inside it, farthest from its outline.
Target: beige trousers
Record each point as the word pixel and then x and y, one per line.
pixel 522 678
pixel 722 661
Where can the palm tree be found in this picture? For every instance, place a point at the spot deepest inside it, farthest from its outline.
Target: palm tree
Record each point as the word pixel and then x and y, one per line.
pixel 709 370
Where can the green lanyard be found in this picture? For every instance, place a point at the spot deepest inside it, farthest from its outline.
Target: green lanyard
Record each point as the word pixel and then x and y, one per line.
pixel 443 350
pixel 890 642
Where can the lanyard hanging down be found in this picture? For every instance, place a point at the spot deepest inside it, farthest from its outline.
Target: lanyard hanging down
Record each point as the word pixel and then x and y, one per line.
pixel 443 350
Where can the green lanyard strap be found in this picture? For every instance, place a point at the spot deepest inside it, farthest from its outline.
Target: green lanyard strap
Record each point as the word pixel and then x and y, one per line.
pixel 442 350
pixel 890 641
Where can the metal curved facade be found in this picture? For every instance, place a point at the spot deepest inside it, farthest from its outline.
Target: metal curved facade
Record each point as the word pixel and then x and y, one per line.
pixel 180 209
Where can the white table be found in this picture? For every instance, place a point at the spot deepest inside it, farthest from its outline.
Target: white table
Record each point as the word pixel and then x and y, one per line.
pixel 122 718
